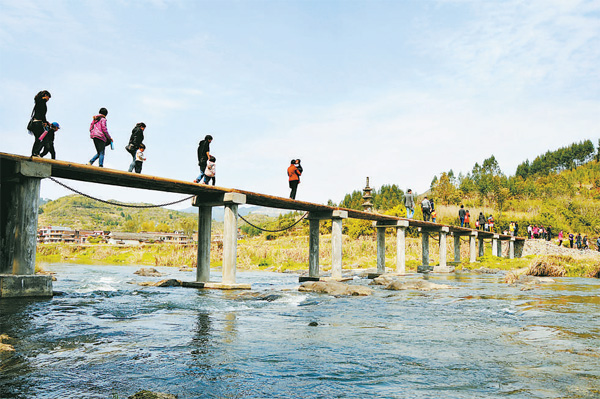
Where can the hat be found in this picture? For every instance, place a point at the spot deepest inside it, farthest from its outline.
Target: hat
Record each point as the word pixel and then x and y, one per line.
pixel 55 125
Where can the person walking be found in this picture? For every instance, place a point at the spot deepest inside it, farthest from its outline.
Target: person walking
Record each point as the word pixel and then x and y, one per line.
pixel 47 139
pixel 135 142
pixel 409 203
pixel 516 229
pixel 293 177
pixel 461 215
pixel 203 156
pixel 571 236
pixel 467 219
pixel 38 120
pixel 99 133
pixel 211 171
pixel 426 208
pixel 139 158
pixel 482 220
pixel 560 238
pixel 584 244
pixel 578 241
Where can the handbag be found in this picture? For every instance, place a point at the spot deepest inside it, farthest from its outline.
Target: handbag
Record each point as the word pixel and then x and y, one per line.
pixel 130 148
pixel 30 125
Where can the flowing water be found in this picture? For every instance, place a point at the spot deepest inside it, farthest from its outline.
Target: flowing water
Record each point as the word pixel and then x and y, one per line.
pixel 106 338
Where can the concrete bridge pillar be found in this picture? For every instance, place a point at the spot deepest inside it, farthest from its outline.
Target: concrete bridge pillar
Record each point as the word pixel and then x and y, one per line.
pixel 472 247
pixel 401 246
pixel 511 248
pixel 313 248
pixel 481 246
pixel 495 240
pixel 457 248
pixel 230 235
pixel 519 246
pixel 380 250
pixel 336 243
pixel 443 267
pixel 204 237
pixel 19 201
pixel 499 248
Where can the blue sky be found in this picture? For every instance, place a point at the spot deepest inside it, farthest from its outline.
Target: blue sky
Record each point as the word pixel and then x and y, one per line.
pixel 398 91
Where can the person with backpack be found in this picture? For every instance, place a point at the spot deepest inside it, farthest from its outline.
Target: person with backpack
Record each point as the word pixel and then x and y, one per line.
pixel 135 142
pixel 99 133
pixel 38 121
pixel 203 156
pixel 47 139
pixel 426 208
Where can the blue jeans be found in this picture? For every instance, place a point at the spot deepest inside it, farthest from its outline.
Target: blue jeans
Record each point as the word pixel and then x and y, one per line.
pixel 410 212
pixel 132 165
pixel 462 222
pixel 100 146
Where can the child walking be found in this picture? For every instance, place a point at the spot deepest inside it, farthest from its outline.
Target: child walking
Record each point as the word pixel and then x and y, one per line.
pixel 47 140
pixel 139 158
pixel 210 171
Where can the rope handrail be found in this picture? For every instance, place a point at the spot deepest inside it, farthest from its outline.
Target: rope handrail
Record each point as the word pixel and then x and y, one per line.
pixel 118 203
pixel 274 231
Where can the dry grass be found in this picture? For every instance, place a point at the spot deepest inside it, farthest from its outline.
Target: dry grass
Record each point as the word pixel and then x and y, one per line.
pixel 548 266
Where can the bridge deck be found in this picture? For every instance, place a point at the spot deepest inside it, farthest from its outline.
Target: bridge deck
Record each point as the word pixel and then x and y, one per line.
pixel 93 174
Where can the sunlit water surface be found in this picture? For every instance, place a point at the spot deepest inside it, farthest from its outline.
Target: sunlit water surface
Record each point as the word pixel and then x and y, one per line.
pixel 105 337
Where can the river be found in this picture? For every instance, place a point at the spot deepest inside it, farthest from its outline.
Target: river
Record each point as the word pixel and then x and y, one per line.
pixel 106 338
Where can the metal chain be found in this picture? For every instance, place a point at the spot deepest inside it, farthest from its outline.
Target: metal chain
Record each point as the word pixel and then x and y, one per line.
pixel 117 203
pixel 274 231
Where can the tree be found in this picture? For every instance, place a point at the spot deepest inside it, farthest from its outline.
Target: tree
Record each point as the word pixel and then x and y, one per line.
pixel 445 191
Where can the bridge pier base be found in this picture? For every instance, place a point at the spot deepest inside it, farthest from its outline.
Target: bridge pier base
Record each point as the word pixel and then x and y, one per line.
pixel 19 201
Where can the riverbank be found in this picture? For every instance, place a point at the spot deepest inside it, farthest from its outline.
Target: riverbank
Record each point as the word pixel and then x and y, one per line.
pixel 291 254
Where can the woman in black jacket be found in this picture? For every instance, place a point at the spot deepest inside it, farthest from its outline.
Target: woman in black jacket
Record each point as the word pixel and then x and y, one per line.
pixel 137 136
pixel 38 120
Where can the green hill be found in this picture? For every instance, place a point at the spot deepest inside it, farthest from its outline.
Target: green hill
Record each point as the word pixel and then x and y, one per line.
pixel 79 212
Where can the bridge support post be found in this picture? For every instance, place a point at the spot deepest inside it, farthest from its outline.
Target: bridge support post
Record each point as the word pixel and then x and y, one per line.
pixel 425 268
pixel 443 265
pixel 401 246
pixel 495 240
pixel 519 246
pixel 204 230
pixel 230 235
pixel 481 246
pixel 336 243
pixel 20 182
pixel 472 247
pixel 380 250
pixel 457 248
pixel 313 248
pixel 499 248
pixel 511 248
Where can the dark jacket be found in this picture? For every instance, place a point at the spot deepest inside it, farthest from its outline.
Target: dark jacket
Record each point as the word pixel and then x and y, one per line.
pixel 203 148
pixel 137 136
pixel 39 111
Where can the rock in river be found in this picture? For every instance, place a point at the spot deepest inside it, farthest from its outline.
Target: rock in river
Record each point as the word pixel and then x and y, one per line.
pixel 335 288
pixel 148 272
pixel 420 285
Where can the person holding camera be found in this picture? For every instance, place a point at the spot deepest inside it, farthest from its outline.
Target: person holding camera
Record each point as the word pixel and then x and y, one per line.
pixel 294 171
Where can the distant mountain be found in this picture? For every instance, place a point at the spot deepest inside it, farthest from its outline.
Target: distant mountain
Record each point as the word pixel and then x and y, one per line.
pixel 218 211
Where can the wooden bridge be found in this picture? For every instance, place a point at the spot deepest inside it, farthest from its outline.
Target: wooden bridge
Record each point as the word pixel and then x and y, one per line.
pixel 20 185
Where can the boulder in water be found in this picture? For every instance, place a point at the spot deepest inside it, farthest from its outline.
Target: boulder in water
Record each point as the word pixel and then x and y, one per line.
pixel 420 285
pixel 162 283
pixel 152 395
pixel 148 272
pixel 335 288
